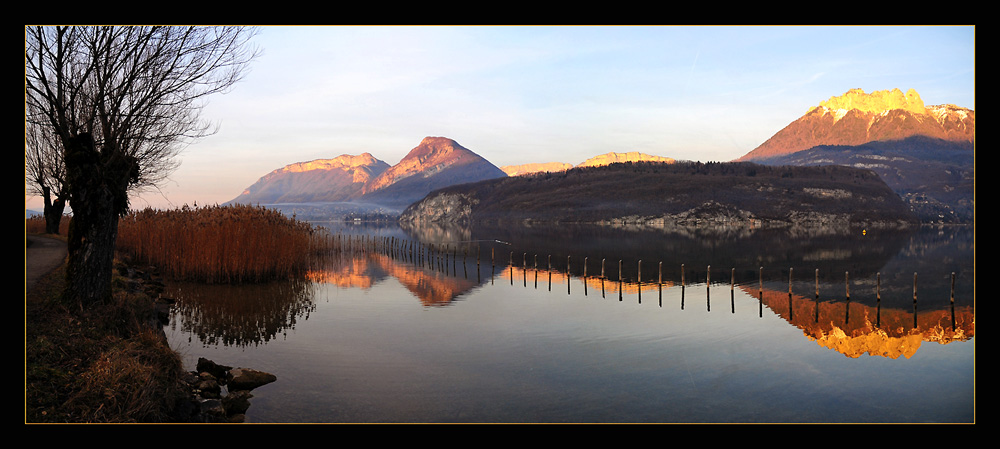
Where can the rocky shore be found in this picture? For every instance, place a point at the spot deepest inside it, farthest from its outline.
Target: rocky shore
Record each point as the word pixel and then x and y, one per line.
pixel 218 393
pixel 210 403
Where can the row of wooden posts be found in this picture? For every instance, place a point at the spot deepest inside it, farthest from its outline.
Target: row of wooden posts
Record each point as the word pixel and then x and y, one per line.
pixel 429 254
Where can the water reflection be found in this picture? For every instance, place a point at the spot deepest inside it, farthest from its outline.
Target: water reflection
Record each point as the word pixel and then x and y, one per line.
pixel 581 324
pixel 432 287
pixel 240 316
pixel 856 295
pixel 855 329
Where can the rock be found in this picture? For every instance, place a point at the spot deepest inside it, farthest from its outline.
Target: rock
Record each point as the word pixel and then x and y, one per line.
pixel 878 101
pixel 206 385
pixel 248 379
pixel 209 388
pixel 236 419
pixel 237 402
pixel 216 370
pixel 212 410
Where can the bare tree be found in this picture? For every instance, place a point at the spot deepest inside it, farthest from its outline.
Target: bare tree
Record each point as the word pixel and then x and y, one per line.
pixel 121 103
pixel 45 173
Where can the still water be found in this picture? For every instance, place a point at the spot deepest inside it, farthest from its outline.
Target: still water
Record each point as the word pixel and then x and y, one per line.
pixel 501 325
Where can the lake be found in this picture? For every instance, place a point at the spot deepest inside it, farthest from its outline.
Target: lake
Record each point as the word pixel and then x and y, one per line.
pixel 502 325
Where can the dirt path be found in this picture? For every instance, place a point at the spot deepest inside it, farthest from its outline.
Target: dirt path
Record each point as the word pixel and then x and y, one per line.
pixel 41 256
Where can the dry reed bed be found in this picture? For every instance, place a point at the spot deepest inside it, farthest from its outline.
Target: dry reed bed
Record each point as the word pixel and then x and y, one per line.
pixel 36 225
pixel 219 244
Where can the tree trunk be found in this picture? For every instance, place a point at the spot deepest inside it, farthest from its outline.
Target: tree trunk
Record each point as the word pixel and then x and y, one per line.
pixel 98 183
pixel 53 212
pixel 92 233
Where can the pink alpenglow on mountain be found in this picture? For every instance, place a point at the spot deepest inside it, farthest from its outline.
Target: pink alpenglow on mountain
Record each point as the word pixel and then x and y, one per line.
pixel 436 163
pixel 856 118
pixel 323 180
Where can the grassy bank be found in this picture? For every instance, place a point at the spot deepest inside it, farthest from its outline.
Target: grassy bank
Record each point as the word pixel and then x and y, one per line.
pixel 101 365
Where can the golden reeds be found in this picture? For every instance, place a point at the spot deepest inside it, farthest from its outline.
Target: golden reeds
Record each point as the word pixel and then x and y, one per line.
pixel 36 225
pixel 218 244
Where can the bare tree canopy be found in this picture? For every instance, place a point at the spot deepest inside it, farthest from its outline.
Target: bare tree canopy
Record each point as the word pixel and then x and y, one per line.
pixel 139 90
pixel 119 103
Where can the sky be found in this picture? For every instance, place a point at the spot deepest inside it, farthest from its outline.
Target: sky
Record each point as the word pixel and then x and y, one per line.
pixel 530 94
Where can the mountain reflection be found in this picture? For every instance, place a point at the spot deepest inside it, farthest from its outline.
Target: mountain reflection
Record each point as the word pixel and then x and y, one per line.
pixel 433 287
pixel 780 271
pixel 850 327
pixel 890 323
pixel 855 329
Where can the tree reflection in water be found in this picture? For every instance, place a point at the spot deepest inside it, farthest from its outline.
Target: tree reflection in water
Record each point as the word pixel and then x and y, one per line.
pixel 240 315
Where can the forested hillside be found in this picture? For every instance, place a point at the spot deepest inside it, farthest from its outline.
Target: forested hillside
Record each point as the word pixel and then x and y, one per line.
pixel 734 192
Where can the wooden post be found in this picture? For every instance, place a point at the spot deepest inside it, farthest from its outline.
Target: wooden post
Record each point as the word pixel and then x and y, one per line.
pixel 790 281
pixel 914 287
pixel 817 283
pixel 847 286
pixel 953 287
pixel 682 275
pixel 512 268
pixel 620 281
pixel 639 280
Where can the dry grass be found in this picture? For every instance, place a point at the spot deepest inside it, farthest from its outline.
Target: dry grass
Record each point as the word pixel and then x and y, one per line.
pixel 106 364
pixel 218 244
pixel 36 225
pixel 101 365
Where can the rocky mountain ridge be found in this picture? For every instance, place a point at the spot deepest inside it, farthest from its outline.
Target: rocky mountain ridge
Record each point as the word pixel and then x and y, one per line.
pixel 856 118
pixel 935 177
pixel 596 161
pixel 436 162
pixel 524 169
pixel 322 180
pixel 926 154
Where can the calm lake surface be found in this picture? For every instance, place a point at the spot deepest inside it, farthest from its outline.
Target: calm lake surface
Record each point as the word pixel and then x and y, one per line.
pixel 722 327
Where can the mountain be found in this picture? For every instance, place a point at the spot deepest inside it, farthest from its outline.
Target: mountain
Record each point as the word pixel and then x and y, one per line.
pixel 524 169
pixel 603 159
pixel 437 162
pixel 856 118
pixel 632 156
pixel 935 177
pixel 926 154
pixel 680 194
pixel 323 180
